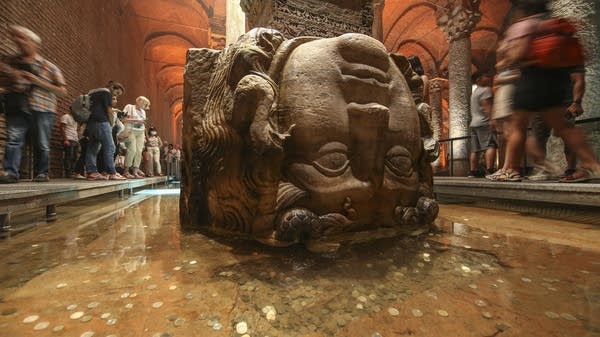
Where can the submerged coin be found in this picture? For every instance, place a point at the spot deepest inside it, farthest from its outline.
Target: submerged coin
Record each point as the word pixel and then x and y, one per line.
pixel 568 316
pixel 525 279
pixel 442 313
pixel 128 305
pixel 77 315
pixel 480 303
pixel 125 295
pixel 179 322
pixel 93 305
pixel 551 314
pixel 41 326
pixel 193 262
pixel 111 321
pixel 157 305
pixel 87 334
pixel 486 314
pixel 72 307
pixel 393 311
pixel 86 318
pixel 177 268
pixel 31 319
pixel 241 328
pixel 151 287
pixel 173 287
pixel 473 286
pixel 217 326
pixel 189 296
pixel 417 313
pixel 105 315
pixel 61 285
pixel 465 269
pixel 58 328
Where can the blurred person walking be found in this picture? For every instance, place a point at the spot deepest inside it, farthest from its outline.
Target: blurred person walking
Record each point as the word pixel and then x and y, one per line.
pixel 33 84
pixel 540 88
pixel 153 144
pixel 483 139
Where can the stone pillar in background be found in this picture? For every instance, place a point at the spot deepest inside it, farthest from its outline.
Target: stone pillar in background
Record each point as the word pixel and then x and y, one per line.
pixel 435 102
pixel 235 21
pixel 323 18
pixel 457 19
pixel 377 30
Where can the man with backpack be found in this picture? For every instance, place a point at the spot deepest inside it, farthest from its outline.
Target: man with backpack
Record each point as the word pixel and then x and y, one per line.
pixel 544 49
pixel 99 131
pixel 31 103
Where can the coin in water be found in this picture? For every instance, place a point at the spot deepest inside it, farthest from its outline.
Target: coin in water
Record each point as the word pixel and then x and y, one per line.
pixel 125 295
pixel 31 319
pixel 525 279
pixel 41 326
pixel 551 314
pixel 152 286
pixel 217 326
pixel 128 305
pixel 393 311
pixel 189 296
pixel 465 269
pixel 76 315
pixel 568 316
pixel 132 295
pixel 177 268
pixel 193 262
pixel 86 318
pixel 486 314
pixel 241 328
pixel 442 313
pixel 93 305
pixel 473 286
pixel 417 313
pixel 87 334
pixel 105 315
pixel 72 307
pixel 173 287
pixel 179 322
pixel 61 285
pixel 58 328
pixel 480 303
pixel 157 305
pixel 111 321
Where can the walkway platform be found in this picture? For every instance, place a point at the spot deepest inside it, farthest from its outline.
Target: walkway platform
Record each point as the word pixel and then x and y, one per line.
pixel 571 202
pixel 586 194
pixel 28 195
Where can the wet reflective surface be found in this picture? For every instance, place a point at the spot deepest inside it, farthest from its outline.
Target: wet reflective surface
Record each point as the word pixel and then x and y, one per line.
pixel 121 267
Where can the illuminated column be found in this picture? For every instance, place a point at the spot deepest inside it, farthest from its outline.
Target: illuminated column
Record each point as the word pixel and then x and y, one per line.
pixel 457 20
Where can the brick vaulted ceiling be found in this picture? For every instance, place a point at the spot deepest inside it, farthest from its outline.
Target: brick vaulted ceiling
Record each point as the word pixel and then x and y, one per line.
pixel 166 29
pixel 410 28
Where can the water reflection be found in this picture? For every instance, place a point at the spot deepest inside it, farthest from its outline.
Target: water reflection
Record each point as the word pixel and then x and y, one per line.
pixel 124 268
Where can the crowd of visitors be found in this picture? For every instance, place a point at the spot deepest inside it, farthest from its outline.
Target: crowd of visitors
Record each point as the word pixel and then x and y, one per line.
pixel 100 142
pixel 537 91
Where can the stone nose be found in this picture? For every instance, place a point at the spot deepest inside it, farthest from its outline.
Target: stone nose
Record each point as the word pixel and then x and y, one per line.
pixel 367 124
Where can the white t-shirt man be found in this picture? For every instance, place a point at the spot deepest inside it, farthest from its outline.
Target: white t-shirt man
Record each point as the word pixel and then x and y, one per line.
pixel 70 127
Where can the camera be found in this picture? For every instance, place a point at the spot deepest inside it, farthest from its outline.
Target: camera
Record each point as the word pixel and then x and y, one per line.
pixel 121 114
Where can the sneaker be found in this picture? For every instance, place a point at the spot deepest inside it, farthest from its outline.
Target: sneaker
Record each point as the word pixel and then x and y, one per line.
pixel 473 174
pixel 8 179
pixel 116 176
pixel 41 178
pixel 96 176
pixel 77 176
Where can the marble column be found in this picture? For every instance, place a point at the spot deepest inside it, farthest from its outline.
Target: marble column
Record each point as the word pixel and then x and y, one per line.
pixel 457 20
pixel 377 30
pixel 235 21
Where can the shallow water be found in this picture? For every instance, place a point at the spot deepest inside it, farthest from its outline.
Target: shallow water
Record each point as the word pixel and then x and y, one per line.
pixel 115 267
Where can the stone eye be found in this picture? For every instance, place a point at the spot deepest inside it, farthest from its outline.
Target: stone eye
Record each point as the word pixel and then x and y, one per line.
pixel 399 162
pixel 332 164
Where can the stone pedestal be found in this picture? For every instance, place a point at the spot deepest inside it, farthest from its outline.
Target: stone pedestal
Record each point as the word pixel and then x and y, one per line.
pixel 323 18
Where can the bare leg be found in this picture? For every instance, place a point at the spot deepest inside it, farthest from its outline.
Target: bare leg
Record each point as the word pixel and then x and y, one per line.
pixel 473 158
pixel 516 139
pixel 490 158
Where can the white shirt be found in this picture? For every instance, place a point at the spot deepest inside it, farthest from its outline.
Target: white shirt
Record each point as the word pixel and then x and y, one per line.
pixel 70 126
pixel 132 112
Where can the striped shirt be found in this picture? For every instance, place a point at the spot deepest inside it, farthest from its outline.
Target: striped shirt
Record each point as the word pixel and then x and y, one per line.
pixel 42 99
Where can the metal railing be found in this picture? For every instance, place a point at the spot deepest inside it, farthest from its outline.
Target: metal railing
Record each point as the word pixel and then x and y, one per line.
pixel 449 160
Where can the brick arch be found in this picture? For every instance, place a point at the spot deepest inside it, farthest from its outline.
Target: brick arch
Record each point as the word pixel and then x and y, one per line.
pixel 183 13
pixel 167 49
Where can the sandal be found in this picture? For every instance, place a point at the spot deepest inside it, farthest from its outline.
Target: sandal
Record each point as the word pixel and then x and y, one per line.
pixel 581 175
pixel 504 175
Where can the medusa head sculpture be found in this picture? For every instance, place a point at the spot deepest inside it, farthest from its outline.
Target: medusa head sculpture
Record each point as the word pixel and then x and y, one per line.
pixel 312 140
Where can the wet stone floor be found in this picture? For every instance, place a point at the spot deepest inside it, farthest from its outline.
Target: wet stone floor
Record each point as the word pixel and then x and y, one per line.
pixel 121 267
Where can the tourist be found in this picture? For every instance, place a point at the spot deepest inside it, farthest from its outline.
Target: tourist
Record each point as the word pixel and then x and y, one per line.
pixel 539 90
pixel 153 145
pixel 99 132
pixel 34 84
pixel 483 139
pixel 68 131
pixel 134 120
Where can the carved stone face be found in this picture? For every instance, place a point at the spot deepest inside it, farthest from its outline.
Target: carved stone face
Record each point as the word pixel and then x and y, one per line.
pixel 355 145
